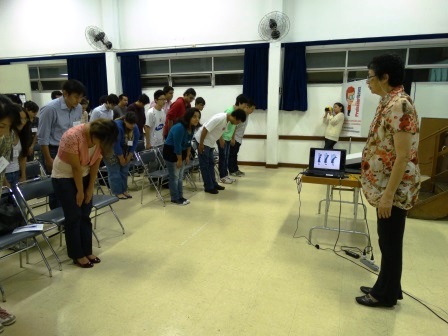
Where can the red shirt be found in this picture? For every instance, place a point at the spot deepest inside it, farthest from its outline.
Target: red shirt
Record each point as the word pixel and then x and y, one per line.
pixel 175 113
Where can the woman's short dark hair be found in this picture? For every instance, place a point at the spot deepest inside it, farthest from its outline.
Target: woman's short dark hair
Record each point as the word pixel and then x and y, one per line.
pixel 31 106
pixel 130 117
pixel 390 64
pixel 341 106
pixel 188 115
pixel 106 131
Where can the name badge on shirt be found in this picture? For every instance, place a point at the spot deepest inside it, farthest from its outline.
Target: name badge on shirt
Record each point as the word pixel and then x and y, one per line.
pixel 130 143
pixel 76 123
pixel 15 153
pixel 3 164
pixel 34 130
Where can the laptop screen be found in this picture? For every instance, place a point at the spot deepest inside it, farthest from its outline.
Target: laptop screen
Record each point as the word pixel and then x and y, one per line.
pixel 327 159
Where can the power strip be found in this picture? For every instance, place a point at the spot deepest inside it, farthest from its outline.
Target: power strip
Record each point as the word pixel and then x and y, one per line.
pixel 370 264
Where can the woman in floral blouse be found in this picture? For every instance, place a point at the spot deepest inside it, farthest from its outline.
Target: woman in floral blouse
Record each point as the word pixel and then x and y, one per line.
pixel 390 174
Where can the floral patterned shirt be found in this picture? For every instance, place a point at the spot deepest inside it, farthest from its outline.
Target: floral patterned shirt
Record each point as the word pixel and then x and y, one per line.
pixel 395 113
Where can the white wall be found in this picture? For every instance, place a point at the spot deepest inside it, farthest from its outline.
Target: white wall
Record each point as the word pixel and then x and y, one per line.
pixel 46 27
pixel 15 79
pixel 146 24
pixel 329 20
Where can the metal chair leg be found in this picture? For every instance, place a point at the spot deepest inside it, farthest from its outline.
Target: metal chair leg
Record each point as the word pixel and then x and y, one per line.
pixel 96 237
pixel 43 257
pixel 116 217
pixel 53 251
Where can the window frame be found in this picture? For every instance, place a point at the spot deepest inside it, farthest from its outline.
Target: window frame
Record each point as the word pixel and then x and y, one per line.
pixel 212 72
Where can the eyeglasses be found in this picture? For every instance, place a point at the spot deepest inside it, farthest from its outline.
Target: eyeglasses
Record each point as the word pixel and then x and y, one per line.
pixel 369 77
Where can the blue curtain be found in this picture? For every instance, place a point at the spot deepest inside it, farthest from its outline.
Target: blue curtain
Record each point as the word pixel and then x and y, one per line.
pixel 294 96
pixel 130 77
pixel 91 71
pixel 255 82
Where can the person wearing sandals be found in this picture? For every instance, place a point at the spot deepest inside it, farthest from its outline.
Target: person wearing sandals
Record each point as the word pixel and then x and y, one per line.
pixel 176 153
pixel 390 174
pixel 118 164
pixel 75 169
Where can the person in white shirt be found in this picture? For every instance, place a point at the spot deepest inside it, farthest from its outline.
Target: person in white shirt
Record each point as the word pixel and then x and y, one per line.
pixel 334 123
pixel 206 136
pixel 155 121
pixel 106 110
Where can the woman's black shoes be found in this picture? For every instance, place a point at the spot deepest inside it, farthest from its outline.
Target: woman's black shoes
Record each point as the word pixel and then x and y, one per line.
pixel 86 265
pixel 367 300
pixel 95 260
pixel 365 289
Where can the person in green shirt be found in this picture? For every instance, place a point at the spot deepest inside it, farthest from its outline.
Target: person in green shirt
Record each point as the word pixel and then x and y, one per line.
pixel 228 139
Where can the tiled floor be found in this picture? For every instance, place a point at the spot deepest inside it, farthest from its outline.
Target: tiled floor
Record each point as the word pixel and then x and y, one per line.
pixel 228 264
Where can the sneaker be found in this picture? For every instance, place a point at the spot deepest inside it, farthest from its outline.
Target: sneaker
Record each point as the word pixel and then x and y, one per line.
pixel 226 180
pixel 234 174
pixel 218 187
pixel 231 179
pixel 185 200
pixel 6 318
pixel 211 191
pixel 240 173
pixel 179 202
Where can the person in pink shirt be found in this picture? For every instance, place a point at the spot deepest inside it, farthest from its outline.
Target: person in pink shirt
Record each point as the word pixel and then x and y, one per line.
pixel 178 109
pixel 75 168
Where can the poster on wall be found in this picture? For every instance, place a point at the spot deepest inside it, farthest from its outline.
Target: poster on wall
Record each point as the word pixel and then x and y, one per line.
pixel 352 96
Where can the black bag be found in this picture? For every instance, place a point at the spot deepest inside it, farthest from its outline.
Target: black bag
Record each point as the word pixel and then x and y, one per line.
pixel 10 216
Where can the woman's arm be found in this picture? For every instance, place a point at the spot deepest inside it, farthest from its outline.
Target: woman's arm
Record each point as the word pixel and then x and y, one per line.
pixel 74 161
pixel 402 142
pixel 93 174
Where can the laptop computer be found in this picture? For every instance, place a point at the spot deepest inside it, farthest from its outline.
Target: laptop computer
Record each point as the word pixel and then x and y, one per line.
pixel 327 162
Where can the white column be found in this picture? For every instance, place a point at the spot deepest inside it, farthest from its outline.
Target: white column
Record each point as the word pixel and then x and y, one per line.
pixel 274 72
pixel 113 71
pixel 110 25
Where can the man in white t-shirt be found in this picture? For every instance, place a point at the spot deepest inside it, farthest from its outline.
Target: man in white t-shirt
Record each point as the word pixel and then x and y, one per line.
pixel 155 121
pixel 206 136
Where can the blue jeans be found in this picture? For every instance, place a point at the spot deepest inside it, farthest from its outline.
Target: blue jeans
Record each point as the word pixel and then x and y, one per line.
pixel 13 179
pixel 233 157
pixel 176 180
pixel 52 200
pixel 118 177
pixel 78 225
pixel 207 166
pixel 223 159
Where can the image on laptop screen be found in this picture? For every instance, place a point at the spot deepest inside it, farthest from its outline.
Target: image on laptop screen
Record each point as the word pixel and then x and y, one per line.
pixel 327 159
